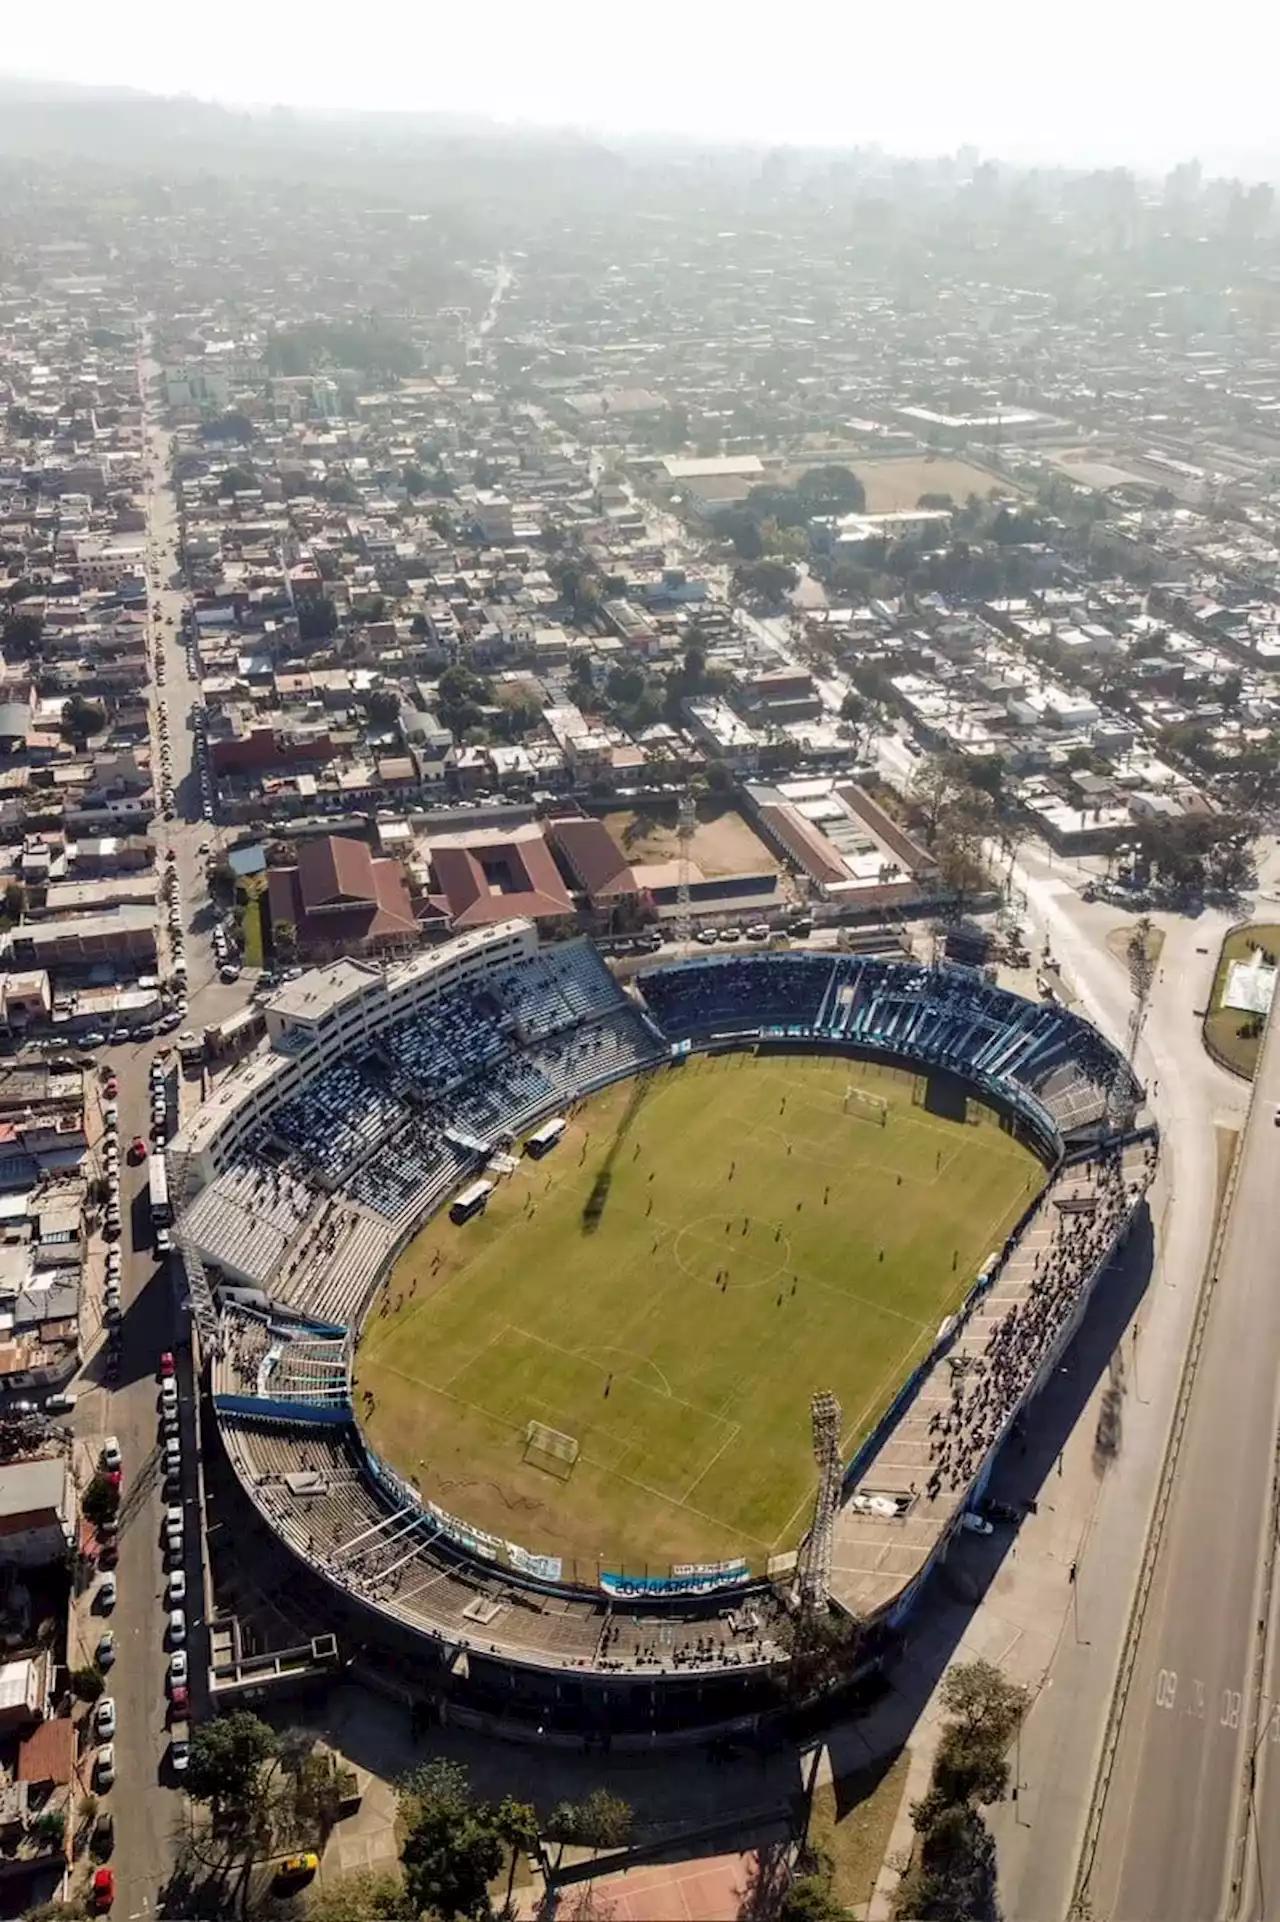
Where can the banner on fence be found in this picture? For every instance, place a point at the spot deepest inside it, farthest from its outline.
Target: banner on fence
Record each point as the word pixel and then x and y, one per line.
pixel 623 1587
pixel 543 1568
pixel 734 1571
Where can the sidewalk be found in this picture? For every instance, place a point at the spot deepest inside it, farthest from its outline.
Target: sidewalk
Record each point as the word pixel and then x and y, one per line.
pixel 1094 1451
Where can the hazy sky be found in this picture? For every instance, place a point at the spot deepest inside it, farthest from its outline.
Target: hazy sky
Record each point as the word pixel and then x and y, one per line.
pixel 1083 81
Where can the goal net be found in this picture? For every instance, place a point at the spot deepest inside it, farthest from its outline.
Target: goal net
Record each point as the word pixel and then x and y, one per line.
pixel 869 1107
pixel 549 1449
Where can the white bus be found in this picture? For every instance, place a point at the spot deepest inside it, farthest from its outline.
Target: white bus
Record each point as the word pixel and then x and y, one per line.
pixel 158 1186
pixel 544 1139
pixel 471 1201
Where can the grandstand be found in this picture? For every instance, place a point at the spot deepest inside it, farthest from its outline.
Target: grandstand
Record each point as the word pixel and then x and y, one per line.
pixel 390 1090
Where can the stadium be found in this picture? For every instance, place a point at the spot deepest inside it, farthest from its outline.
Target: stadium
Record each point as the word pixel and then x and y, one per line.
pixel 576 1337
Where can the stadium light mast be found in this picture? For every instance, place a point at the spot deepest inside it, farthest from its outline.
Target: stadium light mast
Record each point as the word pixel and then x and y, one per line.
pixel 815 1557
pixel 1120 1102
pixel 686 822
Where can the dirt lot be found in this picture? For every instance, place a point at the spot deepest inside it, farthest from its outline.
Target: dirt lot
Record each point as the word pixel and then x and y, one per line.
pixel 722 843
pixel 895 484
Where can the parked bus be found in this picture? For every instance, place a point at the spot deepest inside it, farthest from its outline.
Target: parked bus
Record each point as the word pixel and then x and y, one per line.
pixel 158 1187
pixel 472 1201
pixel 544 1139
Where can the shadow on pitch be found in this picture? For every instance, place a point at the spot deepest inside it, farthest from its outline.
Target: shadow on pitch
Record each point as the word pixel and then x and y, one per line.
pixel 598 1200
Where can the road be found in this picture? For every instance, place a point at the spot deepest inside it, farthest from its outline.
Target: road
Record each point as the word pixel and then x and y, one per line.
pixel 145 1800
pixel 1167 1846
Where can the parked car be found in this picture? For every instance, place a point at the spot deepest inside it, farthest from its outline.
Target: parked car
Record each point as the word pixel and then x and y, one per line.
pixel 104 1890
pixel 180 1754
pixel 178 1586
pixel 104 1765
pixel 179 1701
pixel 105 1653
pixel 104 1718
pixel 178 1666
pixel 105 1599
pixel 111 1456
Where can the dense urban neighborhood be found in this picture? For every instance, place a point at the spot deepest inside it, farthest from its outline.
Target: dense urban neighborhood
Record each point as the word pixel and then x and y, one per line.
pixel 484 620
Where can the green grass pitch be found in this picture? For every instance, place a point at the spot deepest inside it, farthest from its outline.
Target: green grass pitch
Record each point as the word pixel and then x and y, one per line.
pixel 704 1248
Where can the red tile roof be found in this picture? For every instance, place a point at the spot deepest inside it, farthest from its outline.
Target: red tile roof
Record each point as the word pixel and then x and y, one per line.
pixel 491 878
pixel 340 898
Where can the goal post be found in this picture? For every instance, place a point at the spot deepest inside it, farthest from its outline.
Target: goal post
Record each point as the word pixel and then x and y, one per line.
pixel 550 1449
pixel 868 1107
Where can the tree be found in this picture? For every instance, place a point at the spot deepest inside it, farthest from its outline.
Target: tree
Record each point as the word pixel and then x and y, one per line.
pixel 23 634
pixel 955 1877
pixel 765 580
pixel 720 777
pixel 383 706
pixel 414 480
pixel 15 900
pixel 832 489
pixel 80 719
pixel 931 503
pixel 233 425
pixel 1232 688
pixel 284 939
pixel 317 619
pixel 599 1821
pixel 86 1684
pixel 461 697
pixel 100 1501
pixel 854 706
pixel 811 1898
pixel 342 491
pixel 236 480
pixel 518 1826
pixel 453 1846
pixel 979 1697
pixel 226 1761
pixel 365 1896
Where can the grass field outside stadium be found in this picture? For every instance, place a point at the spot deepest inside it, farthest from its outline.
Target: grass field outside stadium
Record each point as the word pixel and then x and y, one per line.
pixel 706 1246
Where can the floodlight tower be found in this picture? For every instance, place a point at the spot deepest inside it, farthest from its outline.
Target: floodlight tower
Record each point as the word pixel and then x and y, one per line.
pixel 1141 977
pixel 687 821
pixel 815 1556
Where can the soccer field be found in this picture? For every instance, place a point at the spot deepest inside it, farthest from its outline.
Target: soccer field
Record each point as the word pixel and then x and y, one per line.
pixel 704 1248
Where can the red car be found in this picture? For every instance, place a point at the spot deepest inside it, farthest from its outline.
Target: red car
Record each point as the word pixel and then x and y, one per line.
pixel 111 1087
pixel 179 1701
pixel 104 1890
pixel 167 1366
pixel 137 1150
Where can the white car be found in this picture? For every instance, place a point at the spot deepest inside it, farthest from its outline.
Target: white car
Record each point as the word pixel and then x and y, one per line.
pixel 111 1456
pixel 177 1627
pixel 104 1718
pixel 180 1753
pixel 178 1666
pixel 177 1586
pixel 169 1394
pixel 104 1765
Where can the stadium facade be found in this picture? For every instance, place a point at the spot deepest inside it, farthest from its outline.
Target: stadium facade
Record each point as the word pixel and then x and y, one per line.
pixel 385 1089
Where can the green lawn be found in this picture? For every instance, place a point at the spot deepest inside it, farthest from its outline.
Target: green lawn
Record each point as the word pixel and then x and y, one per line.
pixel 1229 1033
pixel 705 1248
pixel 252 925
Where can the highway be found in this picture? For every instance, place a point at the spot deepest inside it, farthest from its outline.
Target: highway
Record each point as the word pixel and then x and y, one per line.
pixel 1189 1710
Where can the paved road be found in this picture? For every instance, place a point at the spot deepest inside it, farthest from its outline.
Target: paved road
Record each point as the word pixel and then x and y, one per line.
pixel 1167 1844
pixel 145 1799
